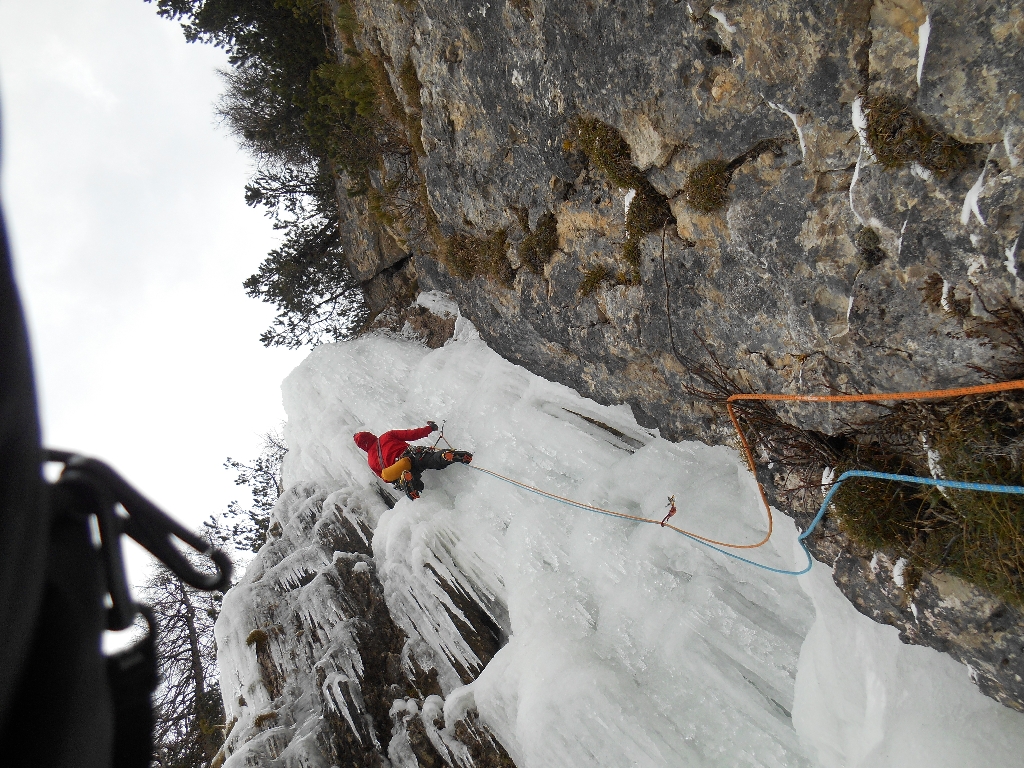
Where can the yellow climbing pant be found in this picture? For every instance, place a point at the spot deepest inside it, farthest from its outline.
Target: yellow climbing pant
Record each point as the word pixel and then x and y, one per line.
pixel 392 473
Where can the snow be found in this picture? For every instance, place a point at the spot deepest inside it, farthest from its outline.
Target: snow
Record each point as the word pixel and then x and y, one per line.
pixel 1011 257
pixel 1008 148
pixel 971 198
pixel 860 121
pixel 860 124
pixel 628 200
pixel 438 303
pixel 627 644
pixel 853 183
pixel 897 572
pixel 921 172
pixel 944 300
pixel 923 33
pixel 796 124
pixel 720 17
pixel 899 240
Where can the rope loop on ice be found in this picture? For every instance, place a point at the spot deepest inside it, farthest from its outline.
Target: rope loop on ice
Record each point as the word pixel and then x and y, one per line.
pixel 955 484
pixel 718 545
pixel 710 543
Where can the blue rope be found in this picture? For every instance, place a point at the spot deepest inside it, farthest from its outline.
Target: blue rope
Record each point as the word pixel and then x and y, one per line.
pixel 759 565
pixel 955 484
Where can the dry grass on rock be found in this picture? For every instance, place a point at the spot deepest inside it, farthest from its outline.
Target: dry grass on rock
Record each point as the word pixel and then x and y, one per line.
pixel 898 135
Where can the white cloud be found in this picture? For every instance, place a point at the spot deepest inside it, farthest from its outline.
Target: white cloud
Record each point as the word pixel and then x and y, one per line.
pixel 125 208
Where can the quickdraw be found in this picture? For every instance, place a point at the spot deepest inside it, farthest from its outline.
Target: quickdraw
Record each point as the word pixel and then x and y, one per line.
pixel 671 510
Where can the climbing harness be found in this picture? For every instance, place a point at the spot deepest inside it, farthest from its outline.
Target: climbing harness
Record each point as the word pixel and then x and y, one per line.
pixel 408 481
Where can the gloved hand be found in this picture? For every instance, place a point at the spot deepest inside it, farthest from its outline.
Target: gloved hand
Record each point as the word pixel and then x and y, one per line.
pixel 432 425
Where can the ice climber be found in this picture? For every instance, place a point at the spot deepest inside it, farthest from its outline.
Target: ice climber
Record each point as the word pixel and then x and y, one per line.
pixel 395 461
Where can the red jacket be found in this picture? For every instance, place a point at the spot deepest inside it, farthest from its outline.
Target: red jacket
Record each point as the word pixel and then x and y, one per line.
pixel 392 445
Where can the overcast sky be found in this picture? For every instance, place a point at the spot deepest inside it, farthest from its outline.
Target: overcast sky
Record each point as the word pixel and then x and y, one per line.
pixel 131 239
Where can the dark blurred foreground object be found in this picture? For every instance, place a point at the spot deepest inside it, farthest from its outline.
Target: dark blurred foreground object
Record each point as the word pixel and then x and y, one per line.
pixel 62 583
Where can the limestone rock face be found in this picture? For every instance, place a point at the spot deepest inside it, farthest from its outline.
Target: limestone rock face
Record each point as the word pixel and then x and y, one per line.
pixel 825 271
pixel 775 283
pixel 375 259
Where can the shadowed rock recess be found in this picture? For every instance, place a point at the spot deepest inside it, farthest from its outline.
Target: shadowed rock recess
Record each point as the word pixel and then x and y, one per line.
pixel 768 251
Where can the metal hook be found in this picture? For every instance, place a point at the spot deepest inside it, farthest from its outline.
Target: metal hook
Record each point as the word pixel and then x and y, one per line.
pixel 101 489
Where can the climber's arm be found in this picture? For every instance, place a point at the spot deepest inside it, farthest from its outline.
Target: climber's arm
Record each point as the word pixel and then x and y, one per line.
pixel 408 435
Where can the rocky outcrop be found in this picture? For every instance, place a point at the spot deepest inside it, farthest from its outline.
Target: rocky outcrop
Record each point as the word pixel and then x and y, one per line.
pixel 830 267
pixel 314 670
pixel 376 259
pixel 780 283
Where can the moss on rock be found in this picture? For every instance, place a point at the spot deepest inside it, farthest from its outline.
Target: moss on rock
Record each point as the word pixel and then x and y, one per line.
pixel 537 247
pixel 898 135
pixel 468 256
pixel 707 187
pixel 608 152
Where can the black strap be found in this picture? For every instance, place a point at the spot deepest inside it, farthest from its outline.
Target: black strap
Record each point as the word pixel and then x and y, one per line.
pixel 132 676
pixel 24 514
pixel 380 457
pixel 85 709
pixel 64 706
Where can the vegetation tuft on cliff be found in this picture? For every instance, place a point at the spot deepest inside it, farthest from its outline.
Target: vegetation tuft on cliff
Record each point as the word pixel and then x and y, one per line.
pixel 609 153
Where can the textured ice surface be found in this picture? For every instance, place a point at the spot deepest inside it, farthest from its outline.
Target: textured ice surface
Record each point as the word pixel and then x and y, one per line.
pixel 865 699
pixel 627 644
pixel 285 636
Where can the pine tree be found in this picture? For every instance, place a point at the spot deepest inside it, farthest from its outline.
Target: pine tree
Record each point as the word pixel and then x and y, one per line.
pixel 303 117
pixel 189 711
pixel 246 529
pixel 309 281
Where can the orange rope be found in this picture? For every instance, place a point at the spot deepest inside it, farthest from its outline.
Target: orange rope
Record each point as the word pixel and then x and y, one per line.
pixel 929 394
pixel 923 395
pixel 933 394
